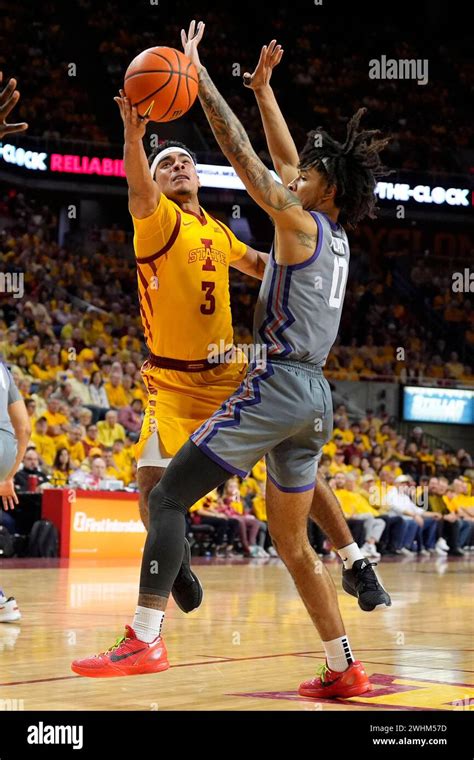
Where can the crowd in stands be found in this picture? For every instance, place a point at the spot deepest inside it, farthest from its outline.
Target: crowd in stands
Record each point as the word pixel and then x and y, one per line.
pixel 36 49
pixel 323 79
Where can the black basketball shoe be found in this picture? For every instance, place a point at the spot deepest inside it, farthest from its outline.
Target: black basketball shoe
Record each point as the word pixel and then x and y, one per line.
pixel 361 582
pixel 187 590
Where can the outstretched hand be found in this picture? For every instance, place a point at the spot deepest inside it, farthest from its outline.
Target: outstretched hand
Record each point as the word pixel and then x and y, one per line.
pixel 8 99
pixel 270 56
pixel 191 41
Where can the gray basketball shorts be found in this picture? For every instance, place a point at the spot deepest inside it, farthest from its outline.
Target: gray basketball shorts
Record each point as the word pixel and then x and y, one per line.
pixel 7 453
pixel 282 410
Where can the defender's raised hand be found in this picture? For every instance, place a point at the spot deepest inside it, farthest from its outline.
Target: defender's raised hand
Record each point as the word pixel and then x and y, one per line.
pixel 191 41
pixel 9 97
pixel 270 56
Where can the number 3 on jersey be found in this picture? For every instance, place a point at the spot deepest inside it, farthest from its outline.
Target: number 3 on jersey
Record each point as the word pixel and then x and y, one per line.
pixel 209 306
pixel 339 279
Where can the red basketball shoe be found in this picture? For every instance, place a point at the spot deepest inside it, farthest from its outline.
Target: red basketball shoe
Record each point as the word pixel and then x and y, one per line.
pixel 330 684
pixel 127 657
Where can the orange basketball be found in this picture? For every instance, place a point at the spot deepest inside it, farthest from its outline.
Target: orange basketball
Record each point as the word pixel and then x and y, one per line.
pixel 165 80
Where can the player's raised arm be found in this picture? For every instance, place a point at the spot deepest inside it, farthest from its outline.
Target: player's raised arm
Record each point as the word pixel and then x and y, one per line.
pixel 280 143
pixel 9 97
pixel 143 192
pixel 233 140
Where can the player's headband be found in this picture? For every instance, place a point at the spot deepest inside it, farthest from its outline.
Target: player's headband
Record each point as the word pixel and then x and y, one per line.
pixel 160 156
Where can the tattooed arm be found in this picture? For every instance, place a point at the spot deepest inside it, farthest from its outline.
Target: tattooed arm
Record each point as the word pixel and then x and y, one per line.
pixel 233 140
pixel 296 230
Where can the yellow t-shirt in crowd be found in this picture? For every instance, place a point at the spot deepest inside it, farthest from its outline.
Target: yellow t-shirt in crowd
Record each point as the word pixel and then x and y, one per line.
pixel 45 447
pixel 108 434
pixel 116 395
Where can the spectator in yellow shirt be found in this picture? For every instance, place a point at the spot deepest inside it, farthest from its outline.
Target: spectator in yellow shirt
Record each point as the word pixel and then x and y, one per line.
pixel 338 464
pixel 115 391
pixel 57 421
pixel 44 444
pixel 75 446
pixel 111 468
pixel 61 468
pixel 344 431
pixel 458 499
pixel 357 507
pixel 110 429
pixel 393 467
pixel 123 457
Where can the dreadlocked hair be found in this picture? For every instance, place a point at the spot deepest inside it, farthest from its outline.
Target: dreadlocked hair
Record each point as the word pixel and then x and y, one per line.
pixel 353 166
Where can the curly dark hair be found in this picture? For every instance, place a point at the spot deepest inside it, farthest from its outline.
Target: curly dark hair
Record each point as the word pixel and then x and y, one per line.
pixel 353 166
pixel 169 144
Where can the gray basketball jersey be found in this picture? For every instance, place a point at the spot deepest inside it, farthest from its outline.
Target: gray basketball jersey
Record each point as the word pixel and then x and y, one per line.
pixel 299 307
pixel 9 393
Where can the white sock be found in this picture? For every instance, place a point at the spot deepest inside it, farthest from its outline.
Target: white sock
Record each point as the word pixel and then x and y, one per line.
pixel 147 623
pixel 338 654
pixel 350 554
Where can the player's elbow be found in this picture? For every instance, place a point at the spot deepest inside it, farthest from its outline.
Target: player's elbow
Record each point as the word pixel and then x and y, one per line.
pixel 23 431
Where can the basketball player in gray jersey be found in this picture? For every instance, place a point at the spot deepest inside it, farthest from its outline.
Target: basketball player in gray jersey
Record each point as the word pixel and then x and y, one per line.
pixel 13 416
pixel 15 431
pixel 283 408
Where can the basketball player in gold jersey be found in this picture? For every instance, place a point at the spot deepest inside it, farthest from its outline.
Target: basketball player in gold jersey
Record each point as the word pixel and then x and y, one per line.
pixel 183 257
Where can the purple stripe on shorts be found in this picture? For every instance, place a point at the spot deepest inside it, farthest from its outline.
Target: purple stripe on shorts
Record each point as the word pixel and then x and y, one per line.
pixel 217 459
pixel 291 489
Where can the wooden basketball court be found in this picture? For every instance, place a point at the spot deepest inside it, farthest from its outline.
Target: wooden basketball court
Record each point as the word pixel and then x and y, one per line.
pixel 249 645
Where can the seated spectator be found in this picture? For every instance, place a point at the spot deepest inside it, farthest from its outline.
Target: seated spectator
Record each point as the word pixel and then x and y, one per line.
pixel 421 528
pixel 338 464
pixel 357 507
pixel 338 485
pixel 80 385
pixel 115 391
pixel 111 468
pixel 44 444
pixel 98 395
pixel 131 417
pixel 93 479
pixel 91 439
pixel 110 429
pixel 391 541
pixel 393 467
pixel 204 512
pixel 462 505
pixel 30 478
pixel 75 446
pixel 123 457
pixel 455 532
pixel 229 503
pixel 56 419
pixel 61 468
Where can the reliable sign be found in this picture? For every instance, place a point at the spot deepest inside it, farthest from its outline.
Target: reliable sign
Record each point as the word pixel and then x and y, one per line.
pixel 63 163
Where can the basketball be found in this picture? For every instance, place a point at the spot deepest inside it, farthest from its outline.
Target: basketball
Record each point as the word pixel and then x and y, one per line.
pixel 164 80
